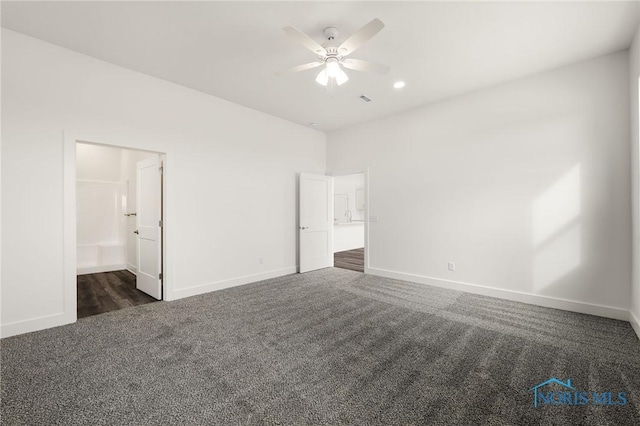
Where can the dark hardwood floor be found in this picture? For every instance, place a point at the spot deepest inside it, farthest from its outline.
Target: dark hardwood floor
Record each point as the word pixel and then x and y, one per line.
pixel 108 291
pixel 350 259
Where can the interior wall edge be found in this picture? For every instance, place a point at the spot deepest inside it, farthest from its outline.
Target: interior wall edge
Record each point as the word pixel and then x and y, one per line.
pixel 69 230
pixel 635 323
pixel 634 76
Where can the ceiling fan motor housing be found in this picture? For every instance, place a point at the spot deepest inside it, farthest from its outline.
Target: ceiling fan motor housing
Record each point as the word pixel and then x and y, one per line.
pixel 330 33
pixel 332 52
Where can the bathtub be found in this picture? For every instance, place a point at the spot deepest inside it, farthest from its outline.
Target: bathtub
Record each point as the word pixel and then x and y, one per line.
pixel 93 258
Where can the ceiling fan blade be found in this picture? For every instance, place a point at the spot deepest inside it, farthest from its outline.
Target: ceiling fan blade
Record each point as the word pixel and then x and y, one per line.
pixel 304 40
pixel 299 68
pixel 361 36
pixel 366 66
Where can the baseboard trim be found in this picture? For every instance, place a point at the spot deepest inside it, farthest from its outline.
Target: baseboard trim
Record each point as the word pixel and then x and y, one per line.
pixel 36 324
pixel 98 269
pixel 220 285
pixel 132 269
pixel 517 296
pixel 635 323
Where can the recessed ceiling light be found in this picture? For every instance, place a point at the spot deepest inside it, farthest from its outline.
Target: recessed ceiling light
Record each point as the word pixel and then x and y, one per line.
pixel 399 84
pixel 313 124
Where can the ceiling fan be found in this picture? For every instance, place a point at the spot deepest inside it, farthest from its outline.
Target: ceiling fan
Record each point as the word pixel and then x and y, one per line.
pixel 334 57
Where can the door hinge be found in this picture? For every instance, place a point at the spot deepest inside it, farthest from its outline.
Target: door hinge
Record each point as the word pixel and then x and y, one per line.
pixel 160 276
pixel 161 169
pixel 160 223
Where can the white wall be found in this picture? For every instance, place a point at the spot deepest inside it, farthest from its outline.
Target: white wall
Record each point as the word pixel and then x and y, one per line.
pixel 128 174
pixel 634 75
pixel 95 162
pixel 230 175
pixel 525 186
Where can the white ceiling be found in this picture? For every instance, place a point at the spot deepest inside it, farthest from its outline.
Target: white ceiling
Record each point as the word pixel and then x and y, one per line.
pixel 232 49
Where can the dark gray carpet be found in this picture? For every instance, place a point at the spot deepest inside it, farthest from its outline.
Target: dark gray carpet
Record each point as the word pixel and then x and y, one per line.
pixel 328 347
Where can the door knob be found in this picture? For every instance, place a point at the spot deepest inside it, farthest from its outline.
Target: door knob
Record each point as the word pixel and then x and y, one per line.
pixel 304 227
pixel 136 232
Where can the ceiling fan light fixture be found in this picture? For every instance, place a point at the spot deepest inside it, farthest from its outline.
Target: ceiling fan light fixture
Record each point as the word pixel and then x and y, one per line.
pixel 341 78
pixel 322 78
pixel 333 67
pixel 332 71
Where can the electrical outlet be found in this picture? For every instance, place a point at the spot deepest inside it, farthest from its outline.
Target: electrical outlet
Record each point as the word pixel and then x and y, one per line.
pixel 451 266
pixel 373 218
pixel 260 260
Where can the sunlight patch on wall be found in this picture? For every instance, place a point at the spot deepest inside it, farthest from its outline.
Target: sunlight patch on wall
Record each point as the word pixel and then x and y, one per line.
pixel 557 258
pixel 557 206
pixel 557 235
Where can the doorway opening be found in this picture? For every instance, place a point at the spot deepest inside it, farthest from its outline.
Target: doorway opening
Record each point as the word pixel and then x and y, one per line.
pixel 349 213
pixel 118 227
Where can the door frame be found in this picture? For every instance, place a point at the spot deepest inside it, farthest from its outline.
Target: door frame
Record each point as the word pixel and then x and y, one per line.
pixel 70 303
pixel 367 240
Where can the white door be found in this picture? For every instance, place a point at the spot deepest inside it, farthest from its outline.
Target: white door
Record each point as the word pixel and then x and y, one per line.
pixel 316 222
pixel 149 227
